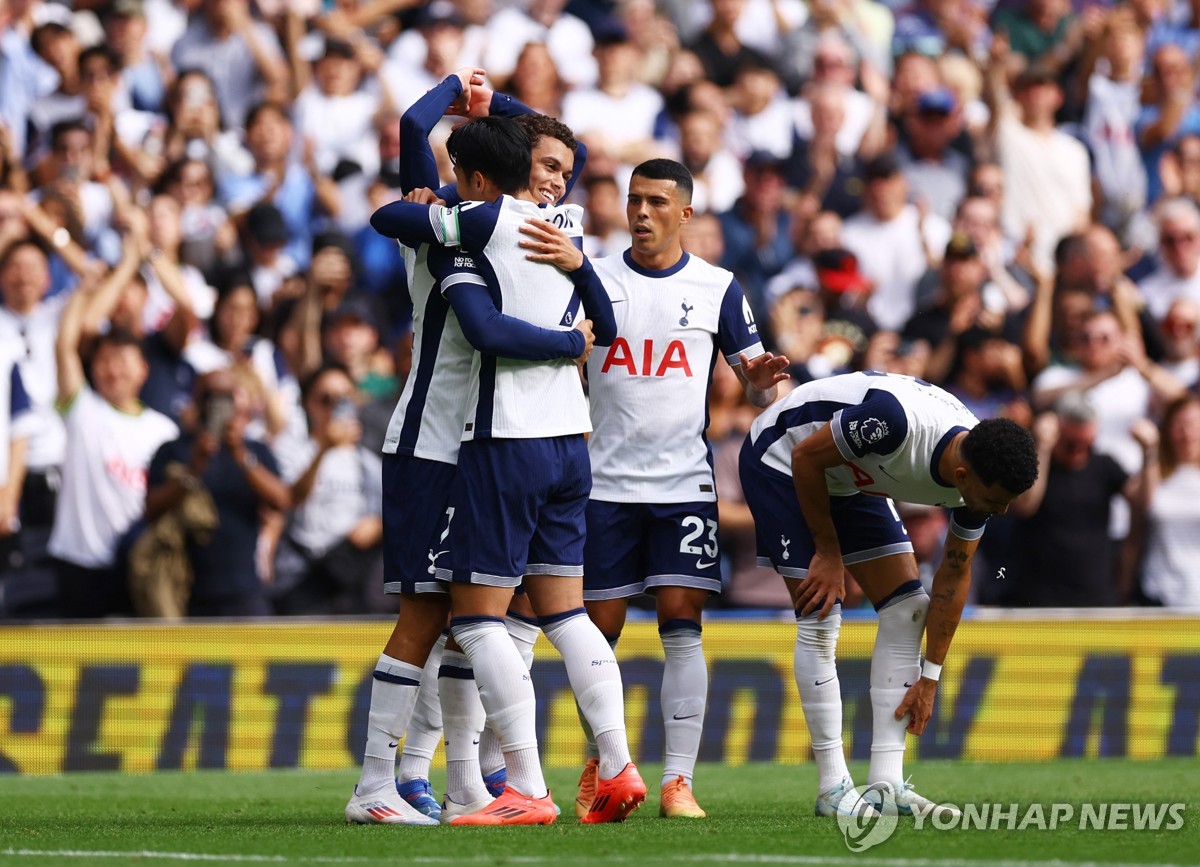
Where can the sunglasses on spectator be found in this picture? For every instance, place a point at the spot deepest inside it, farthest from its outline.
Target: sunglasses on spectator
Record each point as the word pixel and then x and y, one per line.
pixel 1175 239
pixel 331 399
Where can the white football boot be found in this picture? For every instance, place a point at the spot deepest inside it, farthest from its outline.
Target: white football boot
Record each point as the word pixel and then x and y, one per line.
pixel 383 808
pixel 841 799
pixel 450 809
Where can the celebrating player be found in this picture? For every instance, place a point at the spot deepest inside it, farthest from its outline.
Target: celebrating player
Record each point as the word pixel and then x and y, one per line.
pixel 555 157
pixel 420 453
pixel 652 516
pixel 524 476
pixel 820 469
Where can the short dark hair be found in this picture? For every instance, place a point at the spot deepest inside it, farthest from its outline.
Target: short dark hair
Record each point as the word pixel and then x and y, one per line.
pixel 538 126
pixel 63 127
pixel 98 51
pixel 117 338
pixel 496 147
pixel 1001 451
pixel 16 246
pixel 668 170
pixel 256 111
pixel 309 382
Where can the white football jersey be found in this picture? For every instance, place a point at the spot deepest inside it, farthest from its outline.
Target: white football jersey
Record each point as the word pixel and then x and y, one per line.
pixel 891 430
pixel 441 365
pixel 649 390
pixel 103 477
pixel 34 336
pixel 511 399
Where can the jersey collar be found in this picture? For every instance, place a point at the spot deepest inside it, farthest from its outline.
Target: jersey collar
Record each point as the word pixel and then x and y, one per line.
pixel 942 445
pixel 646 272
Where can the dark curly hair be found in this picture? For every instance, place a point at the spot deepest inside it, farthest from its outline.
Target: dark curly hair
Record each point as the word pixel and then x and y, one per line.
pixel 1001 451
pixel 538 125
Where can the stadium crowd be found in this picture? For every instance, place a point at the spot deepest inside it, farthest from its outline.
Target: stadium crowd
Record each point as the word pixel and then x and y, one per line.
pixel 1000 199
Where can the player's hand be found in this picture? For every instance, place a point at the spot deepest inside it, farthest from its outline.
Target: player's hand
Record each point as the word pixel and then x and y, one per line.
pixel 919 702
pixel 423 196
pixel 584 327
pixel 823 587
pixel 468 77
pixel 764 371
pixel 481 101
pixel 550 244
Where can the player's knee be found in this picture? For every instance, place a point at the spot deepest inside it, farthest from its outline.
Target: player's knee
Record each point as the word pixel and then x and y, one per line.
pixel 819 636
pixel 904 610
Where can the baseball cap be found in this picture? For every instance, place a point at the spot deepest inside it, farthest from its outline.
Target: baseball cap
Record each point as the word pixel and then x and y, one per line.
pixel 610 32
pixel 763 160
pixel 439 12
pixel 940 100
pixel 265 224
pixel 837 271
pixel 353 309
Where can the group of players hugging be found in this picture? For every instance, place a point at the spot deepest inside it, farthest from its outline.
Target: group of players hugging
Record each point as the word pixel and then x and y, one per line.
pixel 514 503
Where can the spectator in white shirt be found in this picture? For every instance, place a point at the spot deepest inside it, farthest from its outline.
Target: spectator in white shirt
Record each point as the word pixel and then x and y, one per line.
pixel 617 117
pixel 568 39
pixel 111 438
pixel 894 241
pixel 330 554
pixel 1047 175
pixel 716 172
pixel 1178 271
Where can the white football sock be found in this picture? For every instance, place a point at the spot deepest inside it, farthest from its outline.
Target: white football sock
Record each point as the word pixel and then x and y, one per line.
pixel 821 693
pixel 491 759
pixel 507 694
pixel 425 729
pixel 895 665
pixel 524 635
pixel 596 681
pixel 462 719
pixel 593 751
pixel 684 695
pixel 393 694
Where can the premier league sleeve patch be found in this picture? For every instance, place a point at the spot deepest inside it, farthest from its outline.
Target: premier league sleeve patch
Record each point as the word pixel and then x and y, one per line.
pixel 877 426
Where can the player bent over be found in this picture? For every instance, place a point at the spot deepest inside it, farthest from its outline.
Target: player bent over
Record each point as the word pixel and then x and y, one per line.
pixel 820 470
pixel 652 516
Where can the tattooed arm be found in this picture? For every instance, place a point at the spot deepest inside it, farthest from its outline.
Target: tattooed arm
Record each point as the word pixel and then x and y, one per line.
pixel 949 594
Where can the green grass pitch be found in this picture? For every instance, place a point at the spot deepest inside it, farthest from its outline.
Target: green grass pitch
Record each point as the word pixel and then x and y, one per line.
pixel 758 814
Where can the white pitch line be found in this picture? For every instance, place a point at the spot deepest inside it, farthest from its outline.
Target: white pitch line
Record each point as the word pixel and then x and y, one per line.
pixel 729 858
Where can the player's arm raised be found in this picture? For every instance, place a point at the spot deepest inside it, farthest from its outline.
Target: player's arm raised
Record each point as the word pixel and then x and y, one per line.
pixel 948 596
pixel 825 583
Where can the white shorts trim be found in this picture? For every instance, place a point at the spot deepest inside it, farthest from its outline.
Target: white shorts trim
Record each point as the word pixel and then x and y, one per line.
pixel 786 571
pixel 422 587
pixel 712 585
pixel 877 553
pixel 625 592
pixel 551 569
pixel 495 580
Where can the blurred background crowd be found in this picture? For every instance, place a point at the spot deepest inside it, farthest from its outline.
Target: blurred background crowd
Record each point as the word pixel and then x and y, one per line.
pixel 998 196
